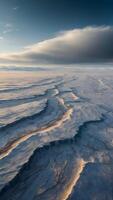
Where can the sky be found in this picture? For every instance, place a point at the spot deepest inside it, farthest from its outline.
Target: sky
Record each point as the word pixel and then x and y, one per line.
pixel 56 32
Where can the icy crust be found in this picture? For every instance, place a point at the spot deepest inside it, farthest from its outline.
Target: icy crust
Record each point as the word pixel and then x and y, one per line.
pixel 57 171
pixel 11 115
pixel 56 153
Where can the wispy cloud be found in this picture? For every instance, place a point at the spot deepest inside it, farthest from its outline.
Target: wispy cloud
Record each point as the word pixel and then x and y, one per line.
pixel 90 44
pixel 16 8
pixel 8 25
pixel 1 38
pixel 8 28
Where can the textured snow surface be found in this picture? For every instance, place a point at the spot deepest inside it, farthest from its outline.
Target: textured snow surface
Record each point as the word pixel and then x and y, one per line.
pixel 56 135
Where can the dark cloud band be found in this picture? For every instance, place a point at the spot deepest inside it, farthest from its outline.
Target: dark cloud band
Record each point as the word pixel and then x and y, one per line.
pixel 90 44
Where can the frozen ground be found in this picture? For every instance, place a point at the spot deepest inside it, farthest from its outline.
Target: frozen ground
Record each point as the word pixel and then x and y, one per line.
pixel 56 134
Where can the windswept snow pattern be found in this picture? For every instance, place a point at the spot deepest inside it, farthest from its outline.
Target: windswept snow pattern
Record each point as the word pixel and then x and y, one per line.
pixel 56 135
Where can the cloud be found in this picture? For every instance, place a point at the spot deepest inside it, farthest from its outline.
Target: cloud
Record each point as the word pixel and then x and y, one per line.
pixel 86 45
pixel 7 28
pixel 1 38
pixel 8 25
pixel 16 8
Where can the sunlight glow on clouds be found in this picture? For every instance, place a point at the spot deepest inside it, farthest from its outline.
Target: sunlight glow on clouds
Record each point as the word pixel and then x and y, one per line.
pixel 86 45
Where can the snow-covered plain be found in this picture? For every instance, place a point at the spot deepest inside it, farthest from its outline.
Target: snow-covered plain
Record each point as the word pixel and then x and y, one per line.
pixel 56 134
